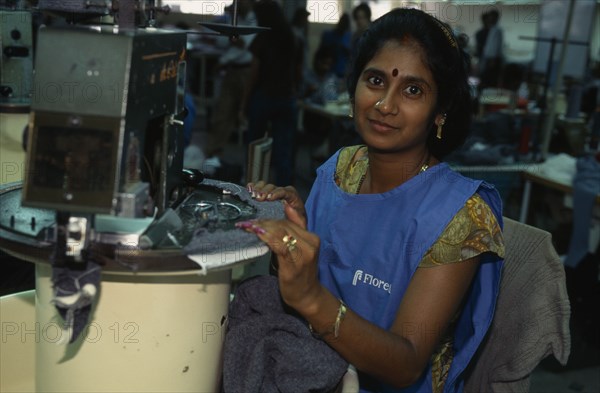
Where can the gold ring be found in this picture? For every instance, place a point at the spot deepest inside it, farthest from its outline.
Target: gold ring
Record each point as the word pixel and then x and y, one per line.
pixel 290 242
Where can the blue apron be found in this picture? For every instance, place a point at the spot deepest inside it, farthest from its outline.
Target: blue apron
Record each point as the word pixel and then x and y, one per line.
pixel 371 245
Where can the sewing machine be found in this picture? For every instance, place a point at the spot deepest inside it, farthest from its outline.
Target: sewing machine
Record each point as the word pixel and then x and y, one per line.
pixel 104 177
pixel 106 121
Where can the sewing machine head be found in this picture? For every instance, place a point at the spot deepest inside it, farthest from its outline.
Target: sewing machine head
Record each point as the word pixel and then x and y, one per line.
pixel 105 132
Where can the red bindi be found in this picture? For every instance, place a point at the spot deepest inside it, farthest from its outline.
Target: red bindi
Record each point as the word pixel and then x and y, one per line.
pixel 395 72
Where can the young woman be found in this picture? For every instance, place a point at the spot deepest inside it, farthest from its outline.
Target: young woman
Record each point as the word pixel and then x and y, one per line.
pixel 395 260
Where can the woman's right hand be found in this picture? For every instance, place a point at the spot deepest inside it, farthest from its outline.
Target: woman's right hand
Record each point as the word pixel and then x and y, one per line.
pixel 261 191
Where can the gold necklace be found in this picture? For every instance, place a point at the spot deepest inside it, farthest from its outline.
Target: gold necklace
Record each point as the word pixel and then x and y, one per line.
pixel 424 167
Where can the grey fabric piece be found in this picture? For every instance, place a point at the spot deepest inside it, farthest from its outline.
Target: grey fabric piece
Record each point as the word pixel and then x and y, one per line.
pixel 532 314
pixel 270 350
pixel 206 242
pixel 586 185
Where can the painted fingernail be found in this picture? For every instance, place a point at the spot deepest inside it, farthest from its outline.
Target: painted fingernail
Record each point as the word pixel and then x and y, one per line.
pixel 259 230
pixel 244 224
pixel 269 196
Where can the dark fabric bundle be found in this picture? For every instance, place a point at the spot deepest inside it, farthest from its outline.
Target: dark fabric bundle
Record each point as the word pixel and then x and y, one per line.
pixel 75 281
pixel 74 292
pixel 270 350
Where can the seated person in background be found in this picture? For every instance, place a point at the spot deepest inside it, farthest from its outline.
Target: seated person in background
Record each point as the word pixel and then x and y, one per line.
pixel 361 14
pixel 321 85
pixel 339 38
pixel 492 57
pixel 395 259
pixel 300 28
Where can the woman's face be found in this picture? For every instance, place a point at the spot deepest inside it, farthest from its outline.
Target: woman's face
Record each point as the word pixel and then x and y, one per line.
pixel 395 97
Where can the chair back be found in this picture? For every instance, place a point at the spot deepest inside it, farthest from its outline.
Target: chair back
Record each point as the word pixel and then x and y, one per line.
pixel 259 159
pixel 531 320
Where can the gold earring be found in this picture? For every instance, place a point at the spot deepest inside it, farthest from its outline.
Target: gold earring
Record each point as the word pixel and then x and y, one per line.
pixel 351 114
pixel 439 128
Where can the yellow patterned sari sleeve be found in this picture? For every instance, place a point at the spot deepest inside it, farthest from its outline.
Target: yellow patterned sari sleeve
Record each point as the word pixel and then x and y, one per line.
pixel 474 230
pixel 351 167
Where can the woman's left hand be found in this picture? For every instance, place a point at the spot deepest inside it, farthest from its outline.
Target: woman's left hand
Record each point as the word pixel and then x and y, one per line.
pixel 297 251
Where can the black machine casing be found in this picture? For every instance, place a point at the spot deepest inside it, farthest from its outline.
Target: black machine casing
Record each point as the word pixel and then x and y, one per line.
pixel 16 60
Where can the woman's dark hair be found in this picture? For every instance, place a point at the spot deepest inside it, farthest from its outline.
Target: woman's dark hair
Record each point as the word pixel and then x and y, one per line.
pixel 364 7
pixel 343 24
pixel 323 52
pixel 300 17
pixel 445 59
pixel 280 35
pixel 270 14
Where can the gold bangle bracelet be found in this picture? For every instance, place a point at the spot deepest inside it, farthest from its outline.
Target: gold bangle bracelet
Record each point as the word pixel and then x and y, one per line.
pixel 336 325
